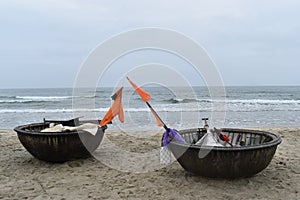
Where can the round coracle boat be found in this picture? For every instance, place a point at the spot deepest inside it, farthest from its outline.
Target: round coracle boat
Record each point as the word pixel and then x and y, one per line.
pixel 59 146
pixel 249 152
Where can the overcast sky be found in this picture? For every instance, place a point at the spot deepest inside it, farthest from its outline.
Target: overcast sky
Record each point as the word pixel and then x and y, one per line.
pixel 253 42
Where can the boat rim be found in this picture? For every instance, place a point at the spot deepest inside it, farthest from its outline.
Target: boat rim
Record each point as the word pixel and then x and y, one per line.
pixel 19 129
pixel 276 140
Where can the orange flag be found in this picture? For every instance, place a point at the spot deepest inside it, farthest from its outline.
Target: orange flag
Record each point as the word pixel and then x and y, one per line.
pixel 144 95
pixel 115 109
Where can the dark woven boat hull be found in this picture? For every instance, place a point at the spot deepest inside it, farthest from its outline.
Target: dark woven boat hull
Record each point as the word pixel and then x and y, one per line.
pixel 225 162
pixel 58 147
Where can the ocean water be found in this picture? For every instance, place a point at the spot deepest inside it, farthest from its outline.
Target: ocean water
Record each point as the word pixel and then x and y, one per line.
pixel 178 107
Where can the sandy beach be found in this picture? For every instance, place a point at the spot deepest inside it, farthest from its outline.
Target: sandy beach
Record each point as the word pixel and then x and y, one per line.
pixel 24 177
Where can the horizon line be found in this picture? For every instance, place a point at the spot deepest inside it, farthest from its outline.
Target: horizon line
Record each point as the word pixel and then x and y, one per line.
pixel 265 85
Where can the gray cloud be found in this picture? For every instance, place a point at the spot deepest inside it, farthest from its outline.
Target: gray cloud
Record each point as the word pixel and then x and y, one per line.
pixel 252 42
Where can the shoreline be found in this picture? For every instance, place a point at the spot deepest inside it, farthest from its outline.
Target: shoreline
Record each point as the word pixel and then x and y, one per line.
pixel 200 126
pixel 23 176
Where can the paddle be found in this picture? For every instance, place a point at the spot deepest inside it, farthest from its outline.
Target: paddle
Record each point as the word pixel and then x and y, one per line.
pixel 146 98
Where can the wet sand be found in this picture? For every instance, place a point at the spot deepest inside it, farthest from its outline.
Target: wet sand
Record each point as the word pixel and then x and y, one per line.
pixel 24 177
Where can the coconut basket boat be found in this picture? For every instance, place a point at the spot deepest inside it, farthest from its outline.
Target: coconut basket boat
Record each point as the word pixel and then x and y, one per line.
pixel 250 153
pixel 58 146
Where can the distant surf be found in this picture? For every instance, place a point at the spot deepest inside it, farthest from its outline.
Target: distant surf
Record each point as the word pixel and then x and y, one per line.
pixel 244 106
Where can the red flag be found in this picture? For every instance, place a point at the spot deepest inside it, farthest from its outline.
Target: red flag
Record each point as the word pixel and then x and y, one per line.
pixel 144 95
pixel 115 109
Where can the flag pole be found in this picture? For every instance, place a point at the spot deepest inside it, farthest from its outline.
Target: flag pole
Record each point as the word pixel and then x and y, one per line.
pixel 146 98
pixel 164 125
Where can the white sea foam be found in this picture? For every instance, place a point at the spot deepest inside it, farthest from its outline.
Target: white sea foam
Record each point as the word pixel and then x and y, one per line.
pixel 44 98
pixel 263 105
pixel 235 101
pixel 15 101
pixel 171 109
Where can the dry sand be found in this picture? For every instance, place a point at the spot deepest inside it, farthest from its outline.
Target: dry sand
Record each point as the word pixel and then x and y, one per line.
pixel 24 177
